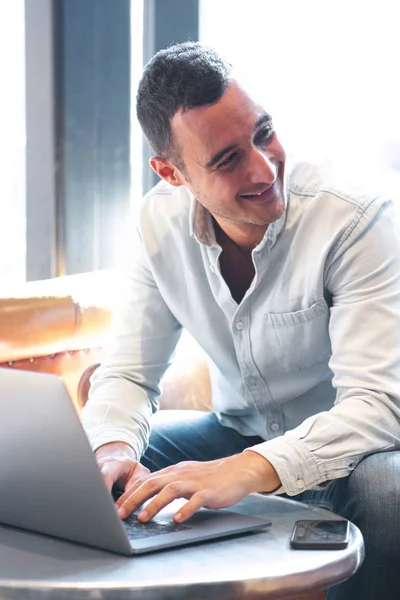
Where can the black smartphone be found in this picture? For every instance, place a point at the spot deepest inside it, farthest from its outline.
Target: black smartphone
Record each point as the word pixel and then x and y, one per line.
pixel 316 534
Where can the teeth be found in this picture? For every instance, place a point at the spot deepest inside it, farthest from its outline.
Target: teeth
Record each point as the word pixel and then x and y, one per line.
pixel 252 195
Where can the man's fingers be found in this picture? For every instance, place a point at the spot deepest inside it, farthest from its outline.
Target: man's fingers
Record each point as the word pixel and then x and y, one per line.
pixel 136 480
pixel 130 490
pixel 141 490
pixel 123 472
pixel 164 493
pixel 172 491
pixel 211 485
pixel 196 502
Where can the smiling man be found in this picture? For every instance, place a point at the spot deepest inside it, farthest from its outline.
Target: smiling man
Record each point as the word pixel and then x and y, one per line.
pixel 291 284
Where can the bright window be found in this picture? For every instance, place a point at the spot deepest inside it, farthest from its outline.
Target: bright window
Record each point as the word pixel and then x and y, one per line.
pixel 328 72
pixel 12 143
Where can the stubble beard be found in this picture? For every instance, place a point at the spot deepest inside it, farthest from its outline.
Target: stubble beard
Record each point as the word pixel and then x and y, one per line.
pixel 244 218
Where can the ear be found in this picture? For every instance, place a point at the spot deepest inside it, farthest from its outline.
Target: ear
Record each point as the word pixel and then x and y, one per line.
pixel 166 170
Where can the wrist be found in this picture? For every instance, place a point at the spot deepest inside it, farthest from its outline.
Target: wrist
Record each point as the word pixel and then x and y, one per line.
pixel 114 448
pixel 266 477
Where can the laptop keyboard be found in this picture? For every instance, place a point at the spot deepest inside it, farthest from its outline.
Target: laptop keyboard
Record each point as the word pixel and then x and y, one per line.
pixel 137 530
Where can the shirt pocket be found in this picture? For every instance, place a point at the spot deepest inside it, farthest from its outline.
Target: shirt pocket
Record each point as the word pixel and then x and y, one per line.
pixel 300 339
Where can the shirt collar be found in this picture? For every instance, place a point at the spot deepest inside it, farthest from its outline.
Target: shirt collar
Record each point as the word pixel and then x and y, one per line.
pixel 201 226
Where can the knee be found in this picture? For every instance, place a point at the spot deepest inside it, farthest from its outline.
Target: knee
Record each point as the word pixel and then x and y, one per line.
pixel 376 482
pixel 373 492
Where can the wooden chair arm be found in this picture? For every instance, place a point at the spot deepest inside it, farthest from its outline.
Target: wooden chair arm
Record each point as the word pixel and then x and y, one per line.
pixel 84 385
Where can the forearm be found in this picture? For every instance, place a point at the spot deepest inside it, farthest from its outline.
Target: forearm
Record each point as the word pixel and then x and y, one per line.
pixel 118 411
pixel 329 445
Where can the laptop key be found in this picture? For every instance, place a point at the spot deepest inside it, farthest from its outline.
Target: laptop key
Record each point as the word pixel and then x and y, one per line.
pixel 137 530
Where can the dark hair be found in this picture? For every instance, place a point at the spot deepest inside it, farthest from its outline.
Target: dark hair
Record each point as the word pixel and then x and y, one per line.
pixel 180 77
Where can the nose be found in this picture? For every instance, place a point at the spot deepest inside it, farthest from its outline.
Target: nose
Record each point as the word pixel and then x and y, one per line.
pixel 261 168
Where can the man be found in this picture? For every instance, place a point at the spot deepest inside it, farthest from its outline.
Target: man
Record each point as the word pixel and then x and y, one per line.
pixel 291 285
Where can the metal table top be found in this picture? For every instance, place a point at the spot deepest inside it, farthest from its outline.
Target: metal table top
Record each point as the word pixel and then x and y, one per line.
pixel 255 565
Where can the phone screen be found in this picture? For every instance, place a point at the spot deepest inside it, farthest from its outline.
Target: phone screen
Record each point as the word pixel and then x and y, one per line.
pixel 320 534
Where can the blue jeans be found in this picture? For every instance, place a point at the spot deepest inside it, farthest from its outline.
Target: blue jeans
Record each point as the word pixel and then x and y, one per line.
pixel 369 497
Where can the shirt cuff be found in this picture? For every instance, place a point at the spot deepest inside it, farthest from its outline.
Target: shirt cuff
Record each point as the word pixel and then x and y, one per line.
pixel 295 465
pixel 107 436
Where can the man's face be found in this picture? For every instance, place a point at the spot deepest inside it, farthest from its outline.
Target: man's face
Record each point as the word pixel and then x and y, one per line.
pixel 234 163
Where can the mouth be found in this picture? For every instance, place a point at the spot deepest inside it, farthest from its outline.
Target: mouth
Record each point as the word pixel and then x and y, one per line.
pixel 259 197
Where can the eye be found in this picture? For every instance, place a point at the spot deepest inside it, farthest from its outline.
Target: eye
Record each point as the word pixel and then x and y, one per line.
pixel 228 161
pixel 264 135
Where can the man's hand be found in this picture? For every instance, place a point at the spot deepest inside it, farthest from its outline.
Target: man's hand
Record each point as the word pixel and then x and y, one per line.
pixel 119 466
pixel 213 484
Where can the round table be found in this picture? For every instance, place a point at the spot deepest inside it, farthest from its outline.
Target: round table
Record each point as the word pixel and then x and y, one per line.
pixel 256 565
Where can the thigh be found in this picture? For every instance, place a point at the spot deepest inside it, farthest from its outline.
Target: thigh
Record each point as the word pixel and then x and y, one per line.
pixel 369 497
pixel 179 435
pixel 371 490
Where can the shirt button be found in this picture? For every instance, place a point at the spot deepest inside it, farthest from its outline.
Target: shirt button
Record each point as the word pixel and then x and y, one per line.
pixel 212 269
pixel 239 325
pixel 274 426
pixel 300 483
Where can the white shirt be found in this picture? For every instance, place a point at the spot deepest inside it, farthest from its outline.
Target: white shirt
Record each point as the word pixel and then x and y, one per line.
pixel 310 358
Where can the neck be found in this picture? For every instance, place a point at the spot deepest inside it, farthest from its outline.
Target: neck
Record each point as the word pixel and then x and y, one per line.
pixel 246 238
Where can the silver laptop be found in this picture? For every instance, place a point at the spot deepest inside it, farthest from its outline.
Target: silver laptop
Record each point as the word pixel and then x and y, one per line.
pixel 50 481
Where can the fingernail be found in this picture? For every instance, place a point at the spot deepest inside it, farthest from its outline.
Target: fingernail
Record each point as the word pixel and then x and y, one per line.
pixel 143 516
pixel 178 517
pixel 122 513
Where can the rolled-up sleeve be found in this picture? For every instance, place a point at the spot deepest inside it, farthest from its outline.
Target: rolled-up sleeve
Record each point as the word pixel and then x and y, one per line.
pixel 125 388
pixel 362 275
